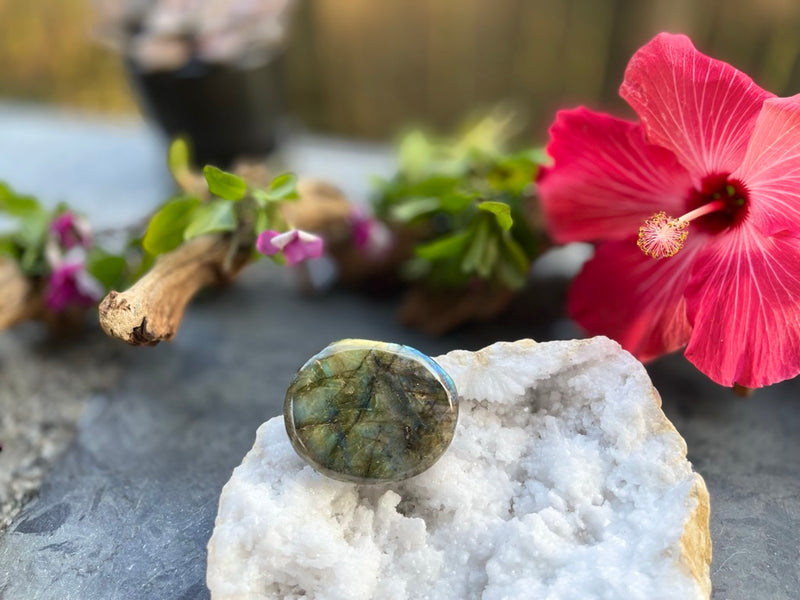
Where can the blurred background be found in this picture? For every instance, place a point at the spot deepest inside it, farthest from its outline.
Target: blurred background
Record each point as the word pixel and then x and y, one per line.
pixel 367 68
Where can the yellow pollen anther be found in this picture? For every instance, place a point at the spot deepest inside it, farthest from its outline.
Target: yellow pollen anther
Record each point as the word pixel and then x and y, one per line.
pixel 661 236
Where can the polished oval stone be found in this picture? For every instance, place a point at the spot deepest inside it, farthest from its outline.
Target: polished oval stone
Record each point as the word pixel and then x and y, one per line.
pixel 371 412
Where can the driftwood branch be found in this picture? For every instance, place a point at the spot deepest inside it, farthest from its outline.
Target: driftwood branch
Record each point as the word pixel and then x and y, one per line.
pixel 19 299
pixel 151 310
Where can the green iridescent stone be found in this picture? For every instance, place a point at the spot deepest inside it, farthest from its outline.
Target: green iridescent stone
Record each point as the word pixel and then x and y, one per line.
pixel 371 412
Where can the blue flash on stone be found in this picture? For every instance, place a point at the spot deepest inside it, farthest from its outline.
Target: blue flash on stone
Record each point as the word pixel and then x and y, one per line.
pixel 371 412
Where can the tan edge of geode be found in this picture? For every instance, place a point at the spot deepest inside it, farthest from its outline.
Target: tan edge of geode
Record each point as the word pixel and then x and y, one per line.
pixel 696 539
pixel 695 543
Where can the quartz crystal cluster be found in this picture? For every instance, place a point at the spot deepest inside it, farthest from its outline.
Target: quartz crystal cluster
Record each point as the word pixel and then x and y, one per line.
pixel 564 480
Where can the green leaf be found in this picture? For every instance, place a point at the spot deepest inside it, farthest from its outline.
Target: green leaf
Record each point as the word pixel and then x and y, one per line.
pixel 415 153
pixel 178 158
pixel 108 269
pixel 261 197
pixel 415 268
pixel 33 228
pixel 452 245
pixel 489 257
pixel 513 266
pixel 262 221
pixel 216 216
pixel 413 208
pixel 143 267
pixel 515 254
pixel 9 248
pixel 513 174
pixel 223 184
pixel 434 185
pixel 18 206
pixel 477 247
pixel 31 237
pixel 501 211
pixel 457 202
pixel 537 155
pixel 509 275
pixel 283 187
pixel 165 231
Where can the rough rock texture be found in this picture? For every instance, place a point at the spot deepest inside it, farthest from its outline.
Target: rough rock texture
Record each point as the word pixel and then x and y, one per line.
pixel 43 392
pixel 564 480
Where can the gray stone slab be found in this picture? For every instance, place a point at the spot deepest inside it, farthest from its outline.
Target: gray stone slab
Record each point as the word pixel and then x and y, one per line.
pixel 128 511
pixel 748 451
pixel 41 400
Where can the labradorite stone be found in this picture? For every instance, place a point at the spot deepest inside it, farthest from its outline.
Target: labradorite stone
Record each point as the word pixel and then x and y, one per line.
pixel 371 412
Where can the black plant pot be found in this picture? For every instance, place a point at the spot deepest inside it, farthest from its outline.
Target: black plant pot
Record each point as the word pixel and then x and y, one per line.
pixel 226 111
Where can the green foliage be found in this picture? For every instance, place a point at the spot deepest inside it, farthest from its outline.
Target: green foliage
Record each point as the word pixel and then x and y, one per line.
pixel 406 212
pixel 283 187
pixel 109 269
pixel 28 239
pixel 501 211
pixel 179 158
pixel 466 200
pixel 443 247
pixel 25 242
pixel 223 184
pixel 167 226
pixel 215 217
pixel 232 205
pixel 15 205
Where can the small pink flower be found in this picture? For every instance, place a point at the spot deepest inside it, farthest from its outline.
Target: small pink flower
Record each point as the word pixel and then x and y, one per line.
pixel 297 245
pixel 370 234
pixel 70 285
pixel 722 156
pixel 71 231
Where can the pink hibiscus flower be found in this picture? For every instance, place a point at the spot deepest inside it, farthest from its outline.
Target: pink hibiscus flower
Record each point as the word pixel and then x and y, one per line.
pixel 297 245
pixel 722 157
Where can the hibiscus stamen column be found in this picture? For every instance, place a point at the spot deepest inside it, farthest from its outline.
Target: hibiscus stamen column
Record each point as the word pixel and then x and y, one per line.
pixel 662 236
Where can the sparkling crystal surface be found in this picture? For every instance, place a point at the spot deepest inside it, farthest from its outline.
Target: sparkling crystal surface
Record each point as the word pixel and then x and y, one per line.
pixel 371 412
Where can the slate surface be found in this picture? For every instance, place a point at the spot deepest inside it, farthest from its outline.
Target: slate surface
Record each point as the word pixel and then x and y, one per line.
pixel 127 512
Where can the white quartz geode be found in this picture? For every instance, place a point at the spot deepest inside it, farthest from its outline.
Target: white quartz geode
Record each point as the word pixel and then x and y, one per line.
pixel 564 480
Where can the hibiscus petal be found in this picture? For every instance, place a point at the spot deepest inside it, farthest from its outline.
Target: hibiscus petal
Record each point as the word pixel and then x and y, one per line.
pixel 606 179
pixel 702 109
pixel 744 303
pixel 771 167
pixel 635 299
